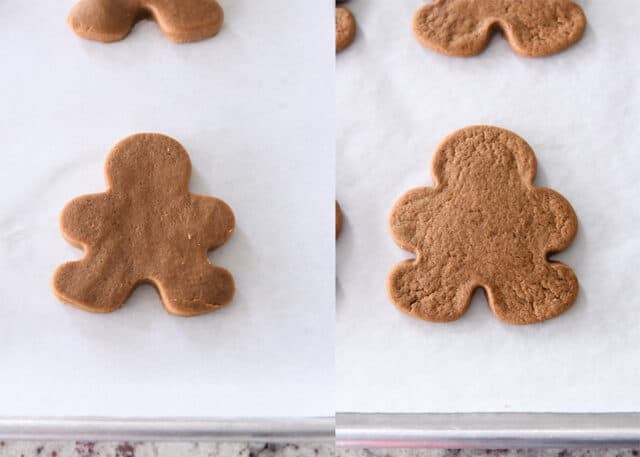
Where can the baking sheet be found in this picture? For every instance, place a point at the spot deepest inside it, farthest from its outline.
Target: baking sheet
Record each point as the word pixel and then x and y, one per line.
pixel 253 108
pixel 580 111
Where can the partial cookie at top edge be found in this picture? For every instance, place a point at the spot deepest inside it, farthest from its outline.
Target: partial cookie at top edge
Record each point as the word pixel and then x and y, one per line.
pixel 182 21
pixel 534 28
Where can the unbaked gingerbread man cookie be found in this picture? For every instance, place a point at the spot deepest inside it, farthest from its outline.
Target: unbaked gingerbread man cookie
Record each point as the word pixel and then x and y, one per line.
pixel 533 28
pixel 483 225
pixel 181 20
pixel 146 228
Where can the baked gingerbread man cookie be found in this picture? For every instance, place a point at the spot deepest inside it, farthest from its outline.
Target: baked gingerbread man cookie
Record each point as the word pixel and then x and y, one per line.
pixel 146 228
pixel 181 20
pixel 483 225
pixel 345 27
pixel 533 28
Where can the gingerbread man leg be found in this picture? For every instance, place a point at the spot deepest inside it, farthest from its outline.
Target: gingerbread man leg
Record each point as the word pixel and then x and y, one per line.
pixel 451 31
pixel 103 20
pixel 187 20
pixel 195 288
pixel 549 29
pixel 83 283
pixel 523 302
pixel 418 289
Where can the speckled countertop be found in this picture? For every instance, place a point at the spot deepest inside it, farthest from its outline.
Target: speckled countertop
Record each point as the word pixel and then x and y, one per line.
pixel 486 452
pixel 126 449
pixel 92 449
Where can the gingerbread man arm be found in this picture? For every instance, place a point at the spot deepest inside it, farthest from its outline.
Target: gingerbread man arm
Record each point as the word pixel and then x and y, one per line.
pixel 405 216
pixel 215 219
pixel 83 219
pixel 560 223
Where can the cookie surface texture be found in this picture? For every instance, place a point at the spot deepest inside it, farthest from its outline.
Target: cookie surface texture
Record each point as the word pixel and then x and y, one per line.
pixel 533 28
pixel 345 28
pixel 181 20
pixel 483 225
pixel 146 228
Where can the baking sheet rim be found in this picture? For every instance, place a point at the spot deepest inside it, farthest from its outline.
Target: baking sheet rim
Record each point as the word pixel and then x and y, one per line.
pixel 488 430
pixel 308 429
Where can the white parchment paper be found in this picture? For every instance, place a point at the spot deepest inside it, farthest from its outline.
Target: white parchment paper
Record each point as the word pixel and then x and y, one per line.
pixel 254 108
pixel 580 111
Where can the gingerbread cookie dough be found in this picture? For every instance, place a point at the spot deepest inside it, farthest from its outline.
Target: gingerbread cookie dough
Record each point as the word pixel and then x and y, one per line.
pixel 338 219
pixel 147 227
pixel 181 20
pixel 345 27
pixel 533 28
pixel 483 225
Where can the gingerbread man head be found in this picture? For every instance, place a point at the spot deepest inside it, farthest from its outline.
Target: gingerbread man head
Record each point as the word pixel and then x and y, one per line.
pixel 483 225
pixel 181 20
pixel 533 28
pixel 147 227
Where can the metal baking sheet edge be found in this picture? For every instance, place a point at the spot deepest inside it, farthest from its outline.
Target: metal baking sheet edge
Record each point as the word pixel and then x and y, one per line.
pixel 488 430
pixel 317 429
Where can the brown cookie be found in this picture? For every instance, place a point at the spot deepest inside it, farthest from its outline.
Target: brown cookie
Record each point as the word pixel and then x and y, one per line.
pixel 345 28
pixel 533 28
pixel 181 20
pixel 146 228
pixel 484 225
pixel 338 219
